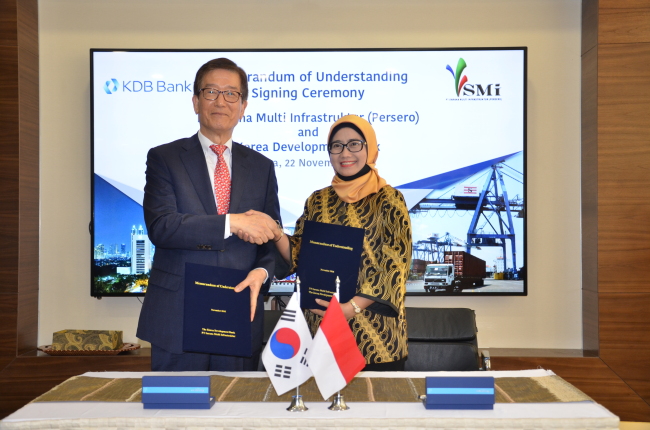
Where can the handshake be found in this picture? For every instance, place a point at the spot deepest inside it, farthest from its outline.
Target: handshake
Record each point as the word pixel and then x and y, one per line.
pixel 255 227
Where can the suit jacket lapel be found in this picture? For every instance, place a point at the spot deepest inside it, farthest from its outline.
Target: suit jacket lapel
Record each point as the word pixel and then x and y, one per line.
pixel 240 165
pixel 194 162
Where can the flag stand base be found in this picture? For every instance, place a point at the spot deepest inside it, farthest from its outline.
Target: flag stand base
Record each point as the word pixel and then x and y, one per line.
pixel 338 403
pixel 297 405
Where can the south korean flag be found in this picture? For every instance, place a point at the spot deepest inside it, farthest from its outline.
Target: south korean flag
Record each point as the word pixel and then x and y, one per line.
pixel 284 354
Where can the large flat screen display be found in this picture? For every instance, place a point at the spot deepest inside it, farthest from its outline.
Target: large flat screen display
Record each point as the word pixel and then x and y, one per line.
pixel 451 128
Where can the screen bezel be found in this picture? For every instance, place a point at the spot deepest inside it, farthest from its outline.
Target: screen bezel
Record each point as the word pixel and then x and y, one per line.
pixel 271 293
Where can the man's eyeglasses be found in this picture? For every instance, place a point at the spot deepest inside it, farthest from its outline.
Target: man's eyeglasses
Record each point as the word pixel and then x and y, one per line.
pixel 228 95
pixel 353 146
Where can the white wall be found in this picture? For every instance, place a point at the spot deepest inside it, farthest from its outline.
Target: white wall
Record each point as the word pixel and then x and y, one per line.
pixel 549 317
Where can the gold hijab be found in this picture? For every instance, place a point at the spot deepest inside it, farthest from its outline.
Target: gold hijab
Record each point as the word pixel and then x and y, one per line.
pixel 356 189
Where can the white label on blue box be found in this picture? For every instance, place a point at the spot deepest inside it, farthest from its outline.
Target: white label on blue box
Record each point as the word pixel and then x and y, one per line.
pixel 487 391
pixel 454 392
pixel 193 390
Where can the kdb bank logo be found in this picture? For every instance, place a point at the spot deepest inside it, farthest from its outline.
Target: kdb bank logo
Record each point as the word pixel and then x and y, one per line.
pixel 466 91
pixel 113 85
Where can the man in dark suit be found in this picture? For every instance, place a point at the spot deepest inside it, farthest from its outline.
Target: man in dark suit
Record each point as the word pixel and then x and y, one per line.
pixel 196 195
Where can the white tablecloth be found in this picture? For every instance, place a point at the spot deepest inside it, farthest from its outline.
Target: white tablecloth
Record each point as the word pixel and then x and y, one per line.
pixel 367 415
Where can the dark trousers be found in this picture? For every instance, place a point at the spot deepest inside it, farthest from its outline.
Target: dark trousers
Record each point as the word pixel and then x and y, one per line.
pixel 165 361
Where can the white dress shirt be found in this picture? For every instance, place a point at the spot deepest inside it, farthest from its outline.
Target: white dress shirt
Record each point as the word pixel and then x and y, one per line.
pixel 211 159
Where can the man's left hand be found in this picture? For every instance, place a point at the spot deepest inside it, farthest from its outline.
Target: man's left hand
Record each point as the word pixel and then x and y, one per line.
pixel 254 281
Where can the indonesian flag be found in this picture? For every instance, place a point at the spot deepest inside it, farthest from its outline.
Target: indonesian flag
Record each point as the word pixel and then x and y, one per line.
pixel 334 357
pixel 284 356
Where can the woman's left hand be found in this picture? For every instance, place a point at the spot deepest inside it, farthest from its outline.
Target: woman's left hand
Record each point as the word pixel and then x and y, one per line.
pixel 348 310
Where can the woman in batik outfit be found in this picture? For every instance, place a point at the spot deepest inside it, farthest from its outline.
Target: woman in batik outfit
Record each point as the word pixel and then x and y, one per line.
pixel 359 197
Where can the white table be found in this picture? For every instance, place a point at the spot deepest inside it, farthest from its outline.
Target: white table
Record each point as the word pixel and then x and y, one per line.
pixel 366 415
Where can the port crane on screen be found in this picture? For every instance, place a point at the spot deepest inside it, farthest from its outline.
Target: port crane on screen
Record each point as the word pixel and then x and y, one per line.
pixel 492 218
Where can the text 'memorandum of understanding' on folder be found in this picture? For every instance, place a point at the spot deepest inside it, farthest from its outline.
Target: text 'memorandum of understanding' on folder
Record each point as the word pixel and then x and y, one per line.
pixel 216 318
pixel 328 251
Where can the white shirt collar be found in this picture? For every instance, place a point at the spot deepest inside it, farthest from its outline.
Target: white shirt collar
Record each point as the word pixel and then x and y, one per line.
pixel 206 143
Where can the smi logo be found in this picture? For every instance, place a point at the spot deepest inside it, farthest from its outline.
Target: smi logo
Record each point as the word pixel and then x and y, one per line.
pixel 459 82
pixel 463 88
pixel 110 89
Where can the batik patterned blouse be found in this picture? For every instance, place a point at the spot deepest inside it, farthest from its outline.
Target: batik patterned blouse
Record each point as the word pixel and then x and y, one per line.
pixel 380 329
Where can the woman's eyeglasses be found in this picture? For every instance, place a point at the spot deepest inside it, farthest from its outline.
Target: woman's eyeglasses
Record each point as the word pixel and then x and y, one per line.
pixel 353 146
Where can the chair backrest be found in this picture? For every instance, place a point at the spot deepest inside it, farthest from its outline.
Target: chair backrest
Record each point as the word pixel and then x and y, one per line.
pixel 442 339
pixel 441 357
pixel 441 324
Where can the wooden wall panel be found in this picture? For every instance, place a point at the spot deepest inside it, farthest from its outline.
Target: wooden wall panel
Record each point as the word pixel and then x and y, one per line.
pixel 623 76
pixel 4 362
pixel 623 88
pixel 624 25
pixel 624 163
pixel 9 182
pixel 589 175
pixel 26 322
pixel 8 170
pixel 28 91
pixel 590 322
pixel 27 26
pixel 624 190
pixel 589 25
pixel 8 23
pixel 624 346
pixel 589 171
pixel 623 251
pixel 591 376
pixel 8 316
pixel 624 4
pixel 30 376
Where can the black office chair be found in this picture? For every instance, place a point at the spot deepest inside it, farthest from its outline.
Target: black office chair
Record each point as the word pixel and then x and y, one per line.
pixel 271 318
pixel 443 339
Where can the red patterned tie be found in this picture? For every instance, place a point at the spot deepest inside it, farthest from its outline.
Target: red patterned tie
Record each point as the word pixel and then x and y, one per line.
pixel 221 180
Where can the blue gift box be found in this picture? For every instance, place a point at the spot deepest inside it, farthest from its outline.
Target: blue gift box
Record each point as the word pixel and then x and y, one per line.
pixel 176 392
pixel 459 392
